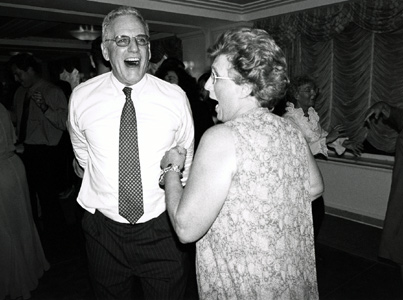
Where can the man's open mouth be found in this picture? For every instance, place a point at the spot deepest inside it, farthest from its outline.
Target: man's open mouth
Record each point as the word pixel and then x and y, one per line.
pixel 132 62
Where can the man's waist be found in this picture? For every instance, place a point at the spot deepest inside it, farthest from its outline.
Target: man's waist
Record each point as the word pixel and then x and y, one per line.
pixel 151 211
pixel 110 220
pixel 42 136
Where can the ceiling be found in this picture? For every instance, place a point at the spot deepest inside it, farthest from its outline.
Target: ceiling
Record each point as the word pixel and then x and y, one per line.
pixel 43 26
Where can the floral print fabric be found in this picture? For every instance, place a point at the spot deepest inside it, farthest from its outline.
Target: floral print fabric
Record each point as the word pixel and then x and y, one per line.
pixel 261 244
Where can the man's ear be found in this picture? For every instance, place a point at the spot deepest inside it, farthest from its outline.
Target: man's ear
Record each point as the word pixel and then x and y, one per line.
pixel 149 52
pixel 105 52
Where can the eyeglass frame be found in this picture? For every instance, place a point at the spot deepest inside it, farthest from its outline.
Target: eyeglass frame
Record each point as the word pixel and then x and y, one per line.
pixel 214 78
pixel 130 40
pixel 316 90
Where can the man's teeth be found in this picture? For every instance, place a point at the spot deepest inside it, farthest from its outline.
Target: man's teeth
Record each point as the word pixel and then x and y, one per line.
pixel 132 61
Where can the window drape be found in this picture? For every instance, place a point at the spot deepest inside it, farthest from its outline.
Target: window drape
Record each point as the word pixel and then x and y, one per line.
pixel 354 52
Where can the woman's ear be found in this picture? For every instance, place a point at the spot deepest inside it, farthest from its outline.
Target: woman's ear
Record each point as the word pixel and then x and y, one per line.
pixel 296 95
pixel 246 90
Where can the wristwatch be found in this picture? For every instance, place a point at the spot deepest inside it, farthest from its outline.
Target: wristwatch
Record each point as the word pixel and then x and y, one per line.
pixel 169 168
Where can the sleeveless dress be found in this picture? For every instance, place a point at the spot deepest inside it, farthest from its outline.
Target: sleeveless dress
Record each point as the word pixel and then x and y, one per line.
pixel 22 260
pixel 261 244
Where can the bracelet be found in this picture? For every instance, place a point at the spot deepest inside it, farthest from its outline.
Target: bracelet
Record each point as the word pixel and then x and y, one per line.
pixel 169 168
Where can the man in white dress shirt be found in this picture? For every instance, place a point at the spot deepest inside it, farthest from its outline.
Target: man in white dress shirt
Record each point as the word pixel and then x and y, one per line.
pixel 117 249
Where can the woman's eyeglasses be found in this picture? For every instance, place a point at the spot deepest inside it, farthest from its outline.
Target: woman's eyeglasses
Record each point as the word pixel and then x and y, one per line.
pixel 124 40
pixel 214 78
pixel 309 90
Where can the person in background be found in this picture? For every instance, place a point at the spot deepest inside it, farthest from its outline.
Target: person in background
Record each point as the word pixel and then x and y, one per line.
pixel 299 109
pixel 391 246
pixel 98 62
pixel 301 97
pixel 204 95
pixel 66 172
pixel 127 230
pixel 40 108
pixel 172 62
pixel 200 110
pixel 22 261
pixel 158 56
pixel 247 202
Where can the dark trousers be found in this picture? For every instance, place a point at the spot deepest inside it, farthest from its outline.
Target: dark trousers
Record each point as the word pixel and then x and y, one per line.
pixel 67 175
pixel 318 213
pixel 118 254
pixel 42 168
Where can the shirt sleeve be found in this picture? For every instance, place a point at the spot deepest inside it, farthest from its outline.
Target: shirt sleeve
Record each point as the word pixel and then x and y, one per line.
pixel 78 140
pixel 57 108
pixel 316 139
pixel 337 145
pixel 185 138
pixel 318 146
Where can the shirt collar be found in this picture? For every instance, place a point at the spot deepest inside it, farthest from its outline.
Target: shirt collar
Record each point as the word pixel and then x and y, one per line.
pixel 136 87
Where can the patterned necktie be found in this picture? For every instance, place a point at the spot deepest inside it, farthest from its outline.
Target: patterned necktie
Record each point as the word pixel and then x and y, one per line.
pixel 130 187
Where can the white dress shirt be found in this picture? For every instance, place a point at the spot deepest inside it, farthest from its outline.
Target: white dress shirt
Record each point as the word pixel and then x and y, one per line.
pixel 164 120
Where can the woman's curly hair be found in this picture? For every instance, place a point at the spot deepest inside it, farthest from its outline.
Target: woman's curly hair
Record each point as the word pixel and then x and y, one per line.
pixel 257 60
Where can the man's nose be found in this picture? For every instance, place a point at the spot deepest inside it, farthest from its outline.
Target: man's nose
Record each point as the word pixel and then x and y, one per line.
pixel 133 45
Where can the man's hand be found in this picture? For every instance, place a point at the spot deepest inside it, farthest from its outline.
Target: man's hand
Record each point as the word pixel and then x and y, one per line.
pixel 175 156
pixel 376 111
pixel 38 100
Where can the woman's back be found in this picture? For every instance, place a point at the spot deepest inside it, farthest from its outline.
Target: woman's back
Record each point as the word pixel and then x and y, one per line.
pixel 261 244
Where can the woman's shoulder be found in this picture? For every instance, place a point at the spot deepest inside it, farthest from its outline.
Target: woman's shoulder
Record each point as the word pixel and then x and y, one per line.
pixel 218 132
pixel 217 136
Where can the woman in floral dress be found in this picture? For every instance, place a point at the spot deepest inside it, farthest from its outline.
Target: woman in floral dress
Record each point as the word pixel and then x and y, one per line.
pixel 247 201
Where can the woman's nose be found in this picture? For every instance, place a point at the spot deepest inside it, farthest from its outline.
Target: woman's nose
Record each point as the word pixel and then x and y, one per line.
pixel 208 84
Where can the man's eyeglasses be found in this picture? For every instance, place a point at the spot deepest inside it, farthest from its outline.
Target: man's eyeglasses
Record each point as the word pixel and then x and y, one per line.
pixel 124 40
pixel 214 78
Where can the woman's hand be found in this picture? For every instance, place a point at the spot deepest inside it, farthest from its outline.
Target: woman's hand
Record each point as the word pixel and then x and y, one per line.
pixel 354 146
pixel 175 156
pixel 337 132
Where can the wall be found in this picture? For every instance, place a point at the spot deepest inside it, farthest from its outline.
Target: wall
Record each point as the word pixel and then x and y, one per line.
pixel 357 188
pixel 194 50
pixel 195 47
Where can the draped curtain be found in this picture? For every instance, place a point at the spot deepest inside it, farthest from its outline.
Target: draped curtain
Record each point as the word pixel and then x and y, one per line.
pixel 354 52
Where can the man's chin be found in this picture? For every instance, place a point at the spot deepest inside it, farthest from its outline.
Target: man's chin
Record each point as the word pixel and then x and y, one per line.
pixel 131 78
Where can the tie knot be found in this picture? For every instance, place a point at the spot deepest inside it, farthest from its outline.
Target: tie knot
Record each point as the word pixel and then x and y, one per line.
pixel 128 92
